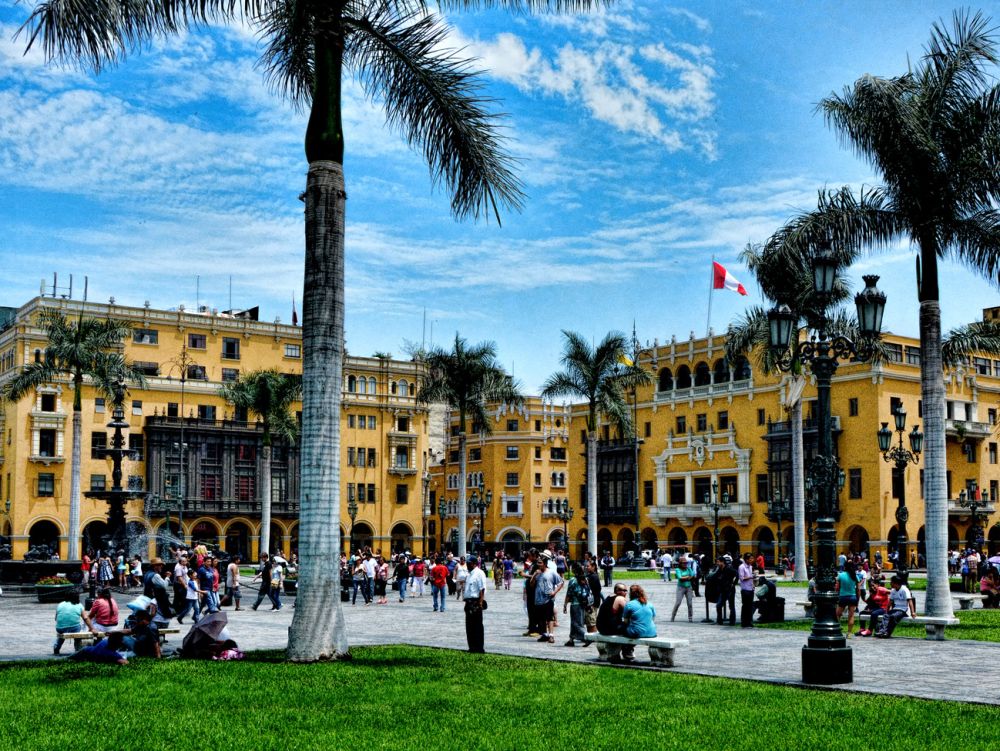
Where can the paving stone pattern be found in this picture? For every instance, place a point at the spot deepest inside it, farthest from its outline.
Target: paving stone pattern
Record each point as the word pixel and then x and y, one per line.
pixel 898 666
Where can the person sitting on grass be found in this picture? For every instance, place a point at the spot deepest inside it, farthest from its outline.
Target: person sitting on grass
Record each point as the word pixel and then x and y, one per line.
pixel 900 605
pixel 107 649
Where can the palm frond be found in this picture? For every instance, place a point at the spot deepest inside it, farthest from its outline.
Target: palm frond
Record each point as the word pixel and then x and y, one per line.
pixel 35 374
pixel 434 97
pixel 961 342
pixel 287 59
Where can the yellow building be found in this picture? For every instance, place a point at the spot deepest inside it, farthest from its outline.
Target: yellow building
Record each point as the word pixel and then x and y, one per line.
pixel 703 423
pixel 523 465
pixel 197 459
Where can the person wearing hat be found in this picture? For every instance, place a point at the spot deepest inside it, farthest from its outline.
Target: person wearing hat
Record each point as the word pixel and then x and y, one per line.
pixel 154 586
pixel 474 594
pixel 685 577
pixel 726 578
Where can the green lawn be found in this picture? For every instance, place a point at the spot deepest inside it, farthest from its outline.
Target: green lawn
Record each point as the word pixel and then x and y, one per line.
pixel 404 697
pixel 977 625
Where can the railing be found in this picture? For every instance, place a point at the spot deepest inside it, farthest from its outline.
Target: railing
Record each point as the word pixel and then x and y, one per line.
pixel 700 392
pixel 956 509
pixel 198 422
pixel 223 507
pixel 967 428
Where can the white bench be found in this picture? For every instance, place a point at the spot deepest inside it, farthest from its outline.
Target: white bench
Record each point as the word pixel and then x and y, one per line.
pixel 934 627
pixel 809 608
pixel 965 602
pixel 81 638
pixel 661 651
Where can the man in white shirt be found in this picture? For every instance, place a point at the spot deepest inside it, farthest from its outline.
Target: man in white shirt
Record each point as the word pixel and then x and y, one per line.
pixel 901 604
pixel 474 594
pixel 666 563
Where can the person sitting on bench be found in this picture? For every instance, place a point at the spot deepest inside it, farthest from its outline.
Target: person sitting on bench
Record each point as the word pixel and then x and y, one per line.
pixel 900 605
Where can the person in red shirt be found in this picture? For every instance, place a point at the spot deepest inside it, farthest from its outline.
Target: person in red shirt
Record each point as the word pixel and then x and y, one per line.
pixel 418 572
pixel 877 604
pixel 85 567
pixel 439 583
pixel 760 562
pixel 104 612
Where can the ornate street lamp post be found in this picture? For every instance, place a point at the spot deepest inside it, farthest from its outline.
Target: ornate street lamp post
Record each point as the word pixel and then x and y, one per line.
pixel 971 501
pixel 826 658
pixel 479 505
pixel 715 502
pixel 900 456
pixel 565 514
pixel 442 510
pixel 780 508
pixel 352 511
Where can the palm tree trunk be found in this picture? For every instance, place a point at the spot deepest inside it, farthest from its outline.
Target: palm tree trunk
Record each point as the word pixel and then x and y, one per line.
pixel 938 602
pixel 799 494
pixel 265 499
pixel 462 466
pixel 592 492
pixel 73 532
pixel 318 630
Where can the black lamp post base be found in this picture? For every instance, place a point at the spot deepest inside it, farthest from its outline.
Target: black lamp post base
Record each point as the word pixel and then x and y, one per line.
pixel 827 666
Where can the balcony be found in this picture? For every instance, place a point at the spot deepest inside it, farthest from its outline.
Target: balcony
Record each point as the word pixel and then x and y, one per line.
pixel 809 425
pixel 688 513
pixel 957 511
pixel 220 507
pixel 962 429
pixel 402 471
pixel 616 515
pixel 713 391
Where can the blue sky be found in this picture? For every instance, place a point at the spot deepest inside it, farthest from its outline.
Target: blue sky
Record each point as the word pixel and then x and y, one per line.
pixel 650 137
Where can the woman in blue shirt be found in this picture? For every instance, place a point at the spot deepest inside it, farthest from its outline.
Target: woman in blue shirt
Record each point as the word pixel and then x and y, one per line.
pixel 639 614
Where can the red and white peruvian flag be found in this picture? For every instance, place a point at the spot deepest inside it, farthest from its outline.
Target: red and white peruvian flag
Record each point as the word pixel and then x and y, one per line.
pixel 722 279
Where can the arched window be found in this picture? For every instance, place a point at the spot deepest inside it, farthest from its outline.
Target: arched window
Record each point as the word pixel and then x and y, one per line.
pixel 392 387
pixel 683 377
pixel 741 370
pixel 352 384
pixel 371 386
pixel 404 388
pixel 702 374
pixel 666 381
pixel 38 355
pixel 721 371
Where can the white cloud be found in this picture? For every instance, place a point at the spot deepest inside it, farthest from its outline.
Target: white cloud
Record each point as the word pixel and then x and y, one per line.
pixel 700 23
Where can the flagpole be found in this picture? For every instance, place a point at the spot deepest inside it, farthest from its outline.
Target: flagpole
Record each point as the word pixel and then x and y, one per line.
pixel 711 290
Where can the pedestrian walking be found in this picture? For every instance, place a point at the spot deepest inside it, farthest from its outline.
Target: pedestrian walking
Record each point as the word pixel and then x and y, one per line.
pixel 547 585
pixel 439 584
pixel 579 599
pixel 474 594
pixel 608 567
pixel 264 576
pixel 402 576
pixel 460 574
pixel 277 579
pixel 233 581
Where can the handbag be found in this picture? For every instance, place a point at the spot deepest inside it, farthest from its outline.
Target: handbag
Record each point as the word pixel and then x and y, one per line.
pixel 485 605
pixel 395 584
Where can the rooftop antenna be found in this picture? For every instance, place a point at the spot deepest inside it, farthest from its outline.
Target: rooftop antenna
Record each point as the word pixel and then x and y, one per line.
pixel 197 294
pixel 230 293
pixel 423 334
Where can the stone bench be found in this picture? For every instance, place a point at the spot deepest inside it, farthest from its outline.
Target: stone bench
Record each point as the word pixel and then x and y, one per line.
pixel 661 650
pixel 934 627
pixel 965 602
pixel 83 638
pixel 808 608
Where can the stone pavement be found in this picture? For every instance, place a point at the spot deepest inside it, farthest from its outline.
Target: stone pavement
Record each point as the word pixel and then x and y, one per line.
pixel 898 666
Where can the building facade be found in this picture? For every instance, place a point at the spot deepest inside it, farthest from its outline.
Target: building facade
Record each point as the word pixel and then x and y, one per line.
pixel 196 465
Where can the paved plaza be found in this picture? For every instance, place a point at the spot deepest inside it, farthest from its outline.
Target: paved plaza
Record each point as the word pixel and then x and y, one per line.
pixel 900 666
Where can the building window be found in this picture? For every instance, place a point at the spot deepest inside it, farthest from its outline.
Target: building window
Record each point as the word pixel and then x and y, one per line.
pixel 402 494
pixel 893 352
pixel 211 487
pixel 994 487
pixel 723 418
pixel 852 406
pixel 702 489
pixel 557 454
pixel 98 482
pixel 229 375
pixel 146 368
pixel 403 425
pixel 512 480
pixel 371 457
pixel 512 426
pixel 197 373
pixel 136 406
pixel 371 422
pixel 99 404
pixel 293 350
pixel 172 410
pixel 230 348
pixel 702 421
pixel 970 453
pixel 206 411
pixel 350 456
pixel 245 490
pixel 982 365
pixel 647 429
pixel 647 492
pixel 402 457
pixel 538 479
pixel 145 336
pixel 583 436
pixel 351 420
pixel 98 443
pixel 681 424
pixel 512 452
pixel 196 341
pixel 48 402
pixel 47 442
pixel 371 492
pixel 475 455
pixel 913 356
pixel 538 452
pixel 46 484
pixel 854 482
pixel 677 491
pixel 761 417
pixel 763 489
pixel 135 445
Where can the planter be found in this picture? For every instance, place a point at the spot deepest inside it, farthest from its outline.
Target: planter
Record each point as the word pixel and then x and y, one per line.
pixel 290 586
pixel 49 593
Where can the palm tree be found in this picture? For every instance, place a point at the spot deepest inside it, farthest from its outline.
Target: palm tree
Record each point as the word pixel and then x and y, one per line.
pixel 77 350
pixel 932 134
pixel 269 395
pixel 468 379
pixel 398 50
pixel 601 375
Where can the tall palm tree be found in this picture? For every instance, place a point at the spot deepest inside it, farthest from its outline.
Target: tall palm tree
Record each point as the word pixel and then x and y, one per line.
pixel 77 350
pixel 933 134
pixel 468 379
pixel 783 271
pixel 268 394
pixel 601 375
pixel 398 50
